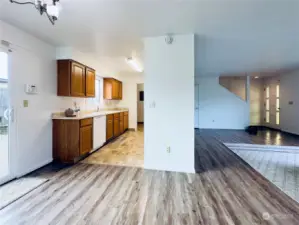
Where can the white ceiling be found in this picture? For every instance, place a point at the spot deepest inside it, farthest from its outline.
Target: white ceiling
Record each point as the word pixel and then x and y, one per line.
pixel 231 35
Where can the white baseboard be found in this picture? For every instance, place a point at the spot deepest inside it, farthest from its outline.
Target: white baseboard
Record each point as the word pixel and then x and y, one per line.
pixel 181 170
pixel 34 168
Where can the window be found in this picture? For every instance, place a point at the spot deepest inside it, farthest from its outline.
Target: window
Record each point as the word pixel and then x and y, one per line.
pixel 95 102
pixel 98 90
pixel 267 105
pixel 267 117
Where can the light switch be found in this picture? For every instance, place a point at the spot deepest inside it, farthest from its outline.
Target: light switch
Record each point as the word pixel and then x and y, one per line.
pixel 25 103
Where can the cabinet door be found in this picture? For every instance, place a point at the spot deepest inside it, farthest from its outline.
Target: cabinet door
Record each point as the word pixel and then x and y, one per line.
pixel 85 139
pixel 126 121
pixel 90 82
pixel 77 80
pixel 120 91
pixel 121 127
pixel 109 129
pixel 116 125
pixel 107 89
pixel 115 89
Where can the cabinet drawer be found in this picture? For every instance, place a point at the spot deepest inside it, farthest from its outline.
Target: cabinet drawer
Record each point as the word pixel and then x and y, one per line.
pixel 86 122
pixel 109 117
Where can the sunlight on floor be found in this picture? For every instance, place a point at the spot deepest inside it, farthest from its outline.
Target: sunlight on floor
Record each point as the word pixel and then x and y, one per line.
pixel 3 155
pixel 278 165
pixel 126 150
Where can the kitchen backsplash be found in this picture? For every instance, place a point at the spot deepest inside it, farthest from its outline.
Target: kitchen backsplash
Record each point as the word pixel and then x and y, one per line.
pixel 86 104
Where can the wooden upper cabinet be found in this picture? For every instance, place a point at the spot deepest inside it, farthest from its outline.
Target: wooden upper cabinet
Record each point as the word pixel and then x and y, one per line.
pixel 90 82
pixel 115 89
pixel 75 79
pixel 107 89
pixel 120 90
pixel 112 89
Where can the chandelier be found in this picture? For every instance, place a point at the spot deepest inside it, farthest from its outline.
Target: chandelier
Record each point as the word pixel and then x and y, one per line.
pixel 48 7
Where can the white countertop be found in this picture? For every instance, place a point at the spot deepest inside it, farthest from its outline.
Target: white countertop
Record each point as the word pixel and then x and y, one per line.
pixel 87 115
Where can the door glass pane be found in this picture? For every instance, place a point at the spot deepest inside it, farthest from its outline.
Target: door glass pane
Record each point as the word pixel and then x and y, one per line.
pixel 277 104
pixel 4 110
pixel 267 92
pixel 267 104
pixel 267 117
pixel 277 118
pixel 277 91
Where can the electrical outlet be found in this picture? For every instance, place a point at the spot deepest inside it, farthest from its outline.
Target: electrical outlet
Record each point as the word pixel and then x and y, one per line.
pixel 168 149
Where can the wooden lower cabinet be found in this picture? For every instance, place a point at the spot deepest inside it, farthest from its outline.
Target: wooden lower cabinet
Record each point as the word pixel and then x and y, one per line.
pixel 116 131
pixel 86 140
pixel 109 127
pixel 121 123
pixel 126 120
pixel 72 139
pixel 116 124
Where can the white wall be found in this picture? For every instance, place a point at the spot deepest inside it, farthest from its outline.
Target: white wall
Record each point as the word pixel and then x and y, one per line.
pixel 289 91
pixel 140 104
pixel 169 80
pixel 219 108
pixel 32 61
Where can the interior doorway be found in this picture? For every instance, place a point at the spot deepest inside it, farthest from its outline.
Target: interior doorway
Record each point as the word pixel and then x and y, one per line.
pixel 140 104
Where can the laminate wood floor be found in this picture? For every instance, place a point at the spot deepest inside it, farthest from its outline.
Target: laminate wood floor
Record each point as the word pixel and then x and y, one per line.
pixel 226 191
pixel 264 137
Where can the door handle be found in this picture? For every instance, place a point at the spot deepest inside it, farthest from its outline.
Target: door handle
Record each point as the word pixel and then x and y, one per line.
pixel 12 114
pixel 6 116
pixel 9 114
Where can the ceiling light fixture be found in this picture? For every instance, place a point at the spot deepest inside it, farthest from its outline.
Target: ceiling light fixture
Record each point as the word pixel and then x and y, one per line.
pixel 134 64
pixel 50 9
pixel 256 77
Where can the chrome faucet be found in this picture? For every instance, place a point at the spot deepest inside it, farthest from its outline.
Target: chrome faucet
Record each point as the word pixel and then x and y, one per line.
pixel 77 109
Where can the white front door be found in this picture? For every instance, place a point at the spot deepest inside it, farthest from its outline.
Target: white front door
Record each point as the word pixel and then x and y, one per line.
pixel 272 104
pixel 196 106
pixel 6 119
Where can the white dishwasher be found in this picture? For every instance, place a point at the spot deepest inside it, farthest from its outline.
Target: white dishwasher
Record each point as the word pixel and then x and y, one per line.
pixel 99 131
